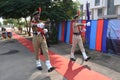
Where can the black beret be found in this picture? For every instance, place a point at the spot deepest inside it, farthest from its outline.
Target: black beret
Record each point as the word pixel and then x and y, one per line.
pixel 76 16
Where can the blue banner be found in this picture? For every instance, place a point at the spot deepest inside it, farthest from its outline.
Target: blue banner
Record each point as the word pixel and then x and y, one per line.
pixel 93 34
pixel 59 31
pixel 67 37
pixel 104 35
pixel 113 36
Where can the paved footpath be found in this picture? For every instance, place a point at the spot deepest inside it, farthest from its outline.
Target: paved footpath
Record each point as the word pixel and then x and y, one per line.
pixel 17 63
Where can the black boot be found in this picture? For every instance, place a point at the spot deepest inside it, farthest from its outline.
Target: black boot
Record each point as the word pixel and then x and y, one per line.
pixel 72 59
pixel 51 69
pixel 39 68
pixel 87 59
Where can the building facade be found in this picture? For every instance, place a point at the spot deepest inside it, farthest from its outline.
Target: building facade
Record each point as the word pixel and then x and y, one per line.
pixel 101 9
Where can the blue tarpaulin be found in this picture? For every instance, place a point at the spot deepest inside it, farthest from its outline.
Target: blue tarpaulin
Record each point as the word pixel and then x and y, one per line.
pixel 59 31
pixel 93 34
pixel 113 36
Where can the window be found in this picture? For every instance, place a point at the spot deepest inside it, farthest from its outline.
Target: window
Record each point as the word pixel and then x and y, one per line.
pixel 100 11
pixel 97 2
pixel 111 9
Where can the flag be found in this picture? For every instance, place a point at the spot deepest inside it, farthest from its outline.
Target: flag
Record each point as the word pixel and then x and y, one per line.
pixel 87 11
pixel 39 9
pixel 78 12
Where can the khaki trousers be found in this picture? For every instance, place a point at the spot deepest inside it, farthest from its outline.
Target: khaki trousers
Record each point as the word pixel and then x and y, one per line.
pixel 77 40
pixel 39 42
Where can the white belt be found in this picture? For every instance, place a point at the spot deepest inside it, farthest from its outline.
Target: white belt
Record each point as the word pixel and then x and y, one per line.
pixel 38 33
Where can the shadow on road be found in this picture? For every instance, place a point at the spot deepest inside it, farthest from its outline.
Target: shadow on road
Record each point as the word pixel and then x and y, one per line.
pixel 10 52
pixel 74 72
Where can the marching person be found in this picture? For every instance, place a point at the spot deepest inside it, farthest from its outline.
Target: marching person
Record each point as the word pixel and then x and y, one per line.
pixel 78 40
pixel 39 42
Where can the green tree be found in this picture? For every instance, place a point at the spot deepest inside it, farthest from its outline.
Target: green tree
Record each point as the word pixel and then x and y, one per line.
pixel 24 8
pixel 55 11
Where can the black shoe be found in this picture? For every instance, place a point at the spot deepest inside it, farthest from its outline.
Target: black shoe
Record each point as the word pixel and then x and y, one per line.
pixel 51 69
pixel 87 58
pixel 39 68
pixel 72 59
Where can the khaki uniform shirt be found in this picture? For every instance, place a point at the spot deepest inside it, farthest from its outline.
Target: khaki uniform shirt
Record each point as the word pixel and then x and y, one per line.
pixel 75 27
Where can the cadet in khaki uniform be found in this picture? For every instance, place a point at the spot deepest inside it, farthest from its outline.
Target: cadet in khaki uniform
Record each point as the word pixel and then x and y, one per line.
pixel 39 42
pixel 78 40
